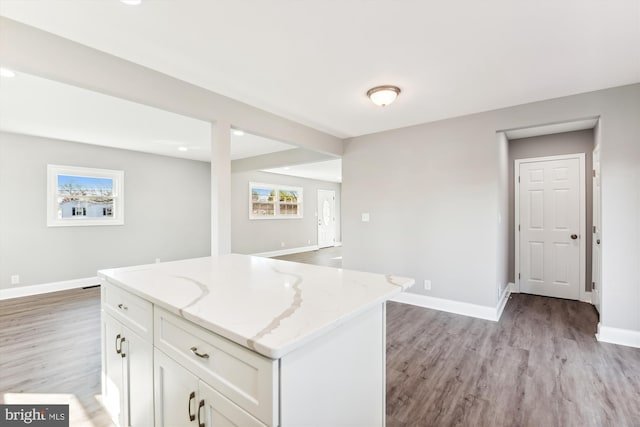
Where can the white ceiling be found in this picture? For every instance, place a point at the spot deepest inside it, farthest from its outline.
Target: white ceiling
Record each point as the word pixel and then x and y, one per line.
pixel 330 170
pixel 313 61
pixel 41 107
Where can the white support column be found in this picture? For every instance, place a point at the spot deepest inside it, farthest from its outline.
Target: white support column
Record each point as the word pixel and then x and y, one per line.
pixel 220 188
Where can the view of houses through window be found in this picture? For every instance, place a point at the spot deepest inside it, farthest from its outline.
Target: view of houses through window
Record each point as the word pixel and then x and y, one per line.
pixel 84 196
pixel 273 201
pixel 79 196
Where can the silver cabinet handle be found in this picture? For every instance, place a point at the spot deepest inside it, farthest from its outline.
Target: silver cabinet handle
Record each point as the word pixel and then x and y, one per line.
pixel 192 396
pixel 122 352
pixel 194 350
pixel 118 349
pixel 123 307
pixel 200 406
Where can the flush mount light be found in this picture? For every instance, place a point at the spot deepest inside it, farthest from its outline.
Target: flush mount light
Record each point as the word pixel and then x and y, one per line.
pixel 182 149
pixel 383 95
pixel 5 72
pixel 238 132
pixel 131 2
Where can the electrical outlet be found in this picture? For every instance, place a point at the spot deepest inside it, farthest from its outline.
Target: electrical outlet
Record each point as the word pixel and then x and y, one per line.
pixel 157 260
pixel 366 217
pixel 15 279
pixel 282 244
pixel 308 242
pixel 427 285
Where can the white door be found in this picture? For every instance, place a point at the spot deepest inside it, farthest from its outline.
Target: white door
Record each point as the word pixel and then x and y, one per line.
pixel 326 218
pixel 176 389
pixel 550 221
pixel 596 257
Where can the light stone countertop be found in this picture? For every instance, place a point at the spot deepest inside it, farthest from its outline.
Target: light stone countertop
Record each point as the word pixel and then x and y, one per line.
pixel 267 305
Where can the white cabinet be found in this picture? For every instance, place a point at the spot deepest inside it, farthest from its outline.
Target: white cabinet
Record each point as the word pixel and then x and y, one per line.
pixel 127 373
pixel 161 369
pixel 182 399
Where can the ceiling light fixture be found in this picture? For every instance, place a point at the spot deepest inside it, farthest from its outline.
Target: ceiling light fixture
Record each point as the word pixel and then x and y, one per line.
pixel 131 2
pixel 5 72
pixel 238 132
pixel 383 95
pixel 182 149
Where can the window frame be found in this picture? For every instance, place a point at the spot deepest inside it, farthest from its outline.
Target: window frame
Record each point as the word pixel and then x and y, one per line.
pixel 276 203
pixel 54 218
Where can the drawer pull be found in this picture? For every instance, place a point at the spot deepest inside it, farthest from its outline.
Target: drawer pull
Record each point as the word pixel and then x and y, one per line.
pixel 200 406
pixel 121 350
pixel 194 350
pixel 123 307
pixel 192 396
pixel 118 349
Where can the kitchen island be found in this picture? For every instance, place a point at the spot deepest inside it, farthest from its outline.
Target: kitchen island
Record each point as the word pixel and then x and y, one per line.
pixel 243 340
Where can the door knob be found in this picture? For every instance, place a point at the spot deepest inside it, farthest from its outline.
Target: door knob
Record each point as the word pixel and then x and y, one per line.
pixel 598 241
pixel 574 236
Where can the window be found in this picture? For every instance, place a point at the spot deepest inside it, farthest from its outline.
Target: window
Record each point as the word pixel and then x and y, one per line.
pixel 84 196
pixel 270 201
pixel 78 211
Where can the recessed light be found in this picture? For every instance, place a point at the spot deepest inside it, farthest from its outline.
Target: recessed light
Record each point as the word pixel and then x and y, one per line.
pixel 5 72
pixel 383 95
pixel 238 132
pixel 183 149
pixel 131 2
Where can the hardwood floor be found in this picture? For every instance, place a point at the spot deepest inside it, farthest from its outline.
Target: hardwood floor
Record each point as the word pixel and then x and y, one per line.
pixel 539 366
pixel 50 353
pixel 330 257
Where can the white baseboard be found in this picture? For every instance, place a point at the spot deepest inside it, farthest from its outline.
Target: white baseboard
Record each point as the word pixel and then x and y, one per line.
pixel 502 301
pixel 336 244
pixel 24 291
pixel 456 307
pixel 627 337
pixel 287 251
pixel 586 297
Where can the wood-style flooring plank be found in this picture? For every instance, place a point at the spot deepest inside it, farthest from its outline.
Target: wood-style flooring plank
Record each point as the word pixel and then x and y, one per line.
pixel 539 366
pixel 50 353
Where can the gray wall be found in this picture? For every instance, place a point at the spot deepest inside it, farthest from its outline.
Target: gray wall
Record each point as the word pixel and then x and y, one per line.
pixel 167 212
pixel 266 235
pixel 553 145
pixel 435 193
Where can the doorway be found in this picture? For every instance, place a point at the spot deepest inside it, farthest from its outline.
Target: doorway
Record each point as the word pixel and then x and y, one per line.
pixel 326 218
pixel 550 225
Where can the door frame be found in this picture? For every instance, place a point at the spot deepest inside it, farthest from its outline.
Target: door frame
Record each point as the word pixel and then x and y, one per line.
pixel 318 216
pixel 582 194
pixel 597 301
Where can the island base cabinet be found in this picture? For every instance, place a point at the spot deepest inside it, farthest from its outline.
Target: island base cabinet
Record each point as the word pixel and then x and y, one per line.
pixel 338 379
pixel 127 375
pixel 181 399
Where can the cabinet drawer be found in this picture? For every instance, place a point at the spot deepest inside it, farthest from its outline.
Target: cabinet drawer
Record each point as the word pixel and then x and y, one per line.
pixel 244 377
pixel 133 311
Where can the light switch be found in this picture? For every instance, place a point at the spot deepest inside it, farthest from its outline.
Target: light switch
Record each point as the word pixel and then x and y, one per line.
pixel 365 217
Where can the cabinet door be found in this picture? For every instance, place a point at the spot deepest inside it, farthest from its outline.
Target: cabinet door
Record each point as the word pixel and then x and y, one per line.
pixel 176 393
pixel 112 371
pixel 138 368
pixel 215 410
